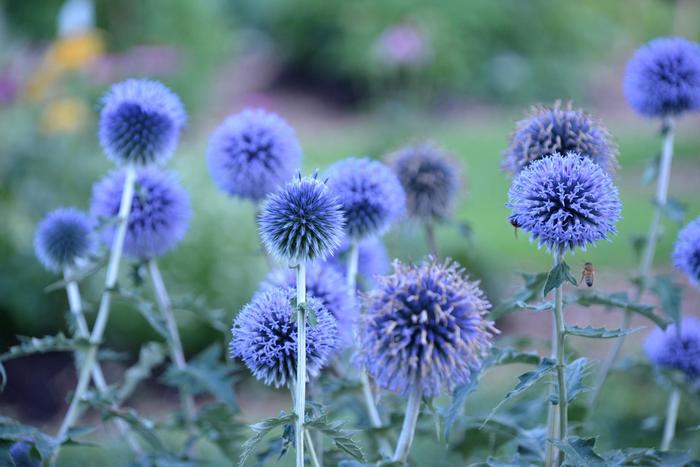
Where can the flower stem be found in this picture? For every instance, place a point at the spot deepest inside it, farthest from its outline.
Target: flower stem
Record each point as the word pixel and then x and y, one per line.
pixel 300 391
pixel 430 238
pixel 174 343
pixel 647 259
pixel 374 418
pixel 408 430
pixel 312 452
pixel 103 311
pixel 76 308
pixel 551 451
pixel 674 402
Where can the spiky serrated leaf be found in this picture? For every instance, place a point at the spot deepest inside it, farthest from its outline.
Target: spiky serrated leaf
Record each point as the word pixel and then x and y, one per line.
pixel 651 169
pixel 599 333
pixel 96 265
pixel 57 343
pixel 531 290
pixel 341 437
pixel 674 210
pixel 557 276
pixel 261 429
pixel 648 457
pixel 12 430
pixel 574 374
pixel 579 452
pixel 142 426
pixel 151 355
pixel 197 307
pixel 148 310
pixel 616 300
pixel 219 424
pixel 669 295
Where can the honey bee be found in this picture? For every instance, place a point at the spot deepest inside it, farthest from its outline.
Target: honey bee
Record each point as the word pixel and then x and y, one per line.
pixel 515 225
pixel 588 274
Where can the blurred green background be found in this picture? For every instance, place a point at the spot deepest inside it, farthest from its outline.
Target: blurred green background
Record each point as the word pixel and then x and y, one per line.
pixel 354 78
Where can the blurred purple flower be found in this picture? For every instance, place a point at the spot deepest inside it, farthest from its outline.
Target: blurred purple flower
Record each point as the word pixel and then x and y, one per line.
pixel 686 254
pixel 680 351
pixel 372 260
pixel 402 44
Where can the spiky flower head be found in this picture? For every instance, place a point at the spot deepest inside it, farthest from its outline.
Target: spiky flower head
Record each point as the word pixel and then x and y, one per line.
pixel 372 260
pixel 370 193
pixel 160 211
pixel 680 351
pixel 265 336
pixel 63 238
pixel 430 177
pixel 556 129
pixel 140 122
pixel 663 77
pixel 564 202
pixel 425 325
pixel 253 153
pixel 327 285
pixel 303 221
pixel 686 254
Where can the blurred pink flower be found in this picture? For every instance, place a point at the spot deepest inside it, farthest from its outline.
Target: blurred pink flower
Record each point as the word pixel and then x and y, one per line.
pixel 402 44
pixel 9 88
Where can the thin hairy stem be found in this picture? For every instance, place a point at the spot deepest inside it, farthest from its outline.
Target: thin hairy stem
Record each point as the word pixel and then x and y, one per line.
pixel 300 390
pixel 551 451
pixel 408 430
pixel 115 255
pixel 174 342
pixel 312 452
pixel 647 259
pixel 430 238
pixel 674 402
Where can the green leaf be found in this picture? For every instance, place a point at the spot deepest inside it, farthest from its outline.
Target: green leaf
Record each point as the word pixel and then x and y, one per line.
pixel 557 276
pixel 674 210
pixel 261 429
pixel 599 333
pixel 574 374
pixel 651 169
pixel 669 295
pixel 459 397
pixel 616 300
pixel 151 355
pixel 532 290
pixel 526 381
pixel 579 452
pixel 12 430
pixel 218 423
pixel 148 311
pixel 342 438
pixel 196 306
pixel 647 457
pixel 57 343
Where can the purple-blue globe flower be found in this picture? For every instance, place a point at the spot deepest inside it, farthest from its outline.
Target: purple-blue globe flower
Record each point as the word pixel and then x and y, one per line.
pixel 425 325
pixel 327 285
pixel 686 254
pixel 372 258
pixel 564 202
pixel 556 129
pixel 301 222
pixel 430 177
pixel 252 154
pixel 63 238
pixel 160 211
pixel 667 348
pixel 663 77
pixel 21 455
pixel 265 337
pixel 370 193
pixel 140 122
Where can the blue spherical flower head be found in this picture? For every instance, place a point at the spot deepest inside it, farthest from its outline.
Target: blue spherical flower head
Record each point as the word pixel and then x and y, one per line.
pixel 686 254
pixel 669 349
pixel 430 177
pixel 252 154
pixel 425 325
pixel 301 222
pixel 265 337
pixel 372 258
pixel 565 202
pixel 327 285
pixel 370 193
pixel 140 122
pixel 21 454
pixel 160 211
pixel 663 77
pixel 557 129
pixel 63 238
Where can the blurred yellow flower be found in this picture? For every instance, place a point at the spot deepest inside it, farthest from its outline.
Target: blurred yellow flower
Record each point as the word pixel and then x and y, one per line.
pixel 64 115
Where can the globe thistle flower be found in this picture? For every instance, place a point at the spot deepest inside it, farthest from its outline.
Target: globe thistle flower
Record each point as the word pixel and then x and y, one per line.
pixel 679 351
pixel 370 193
pixel 663 77
pixel 425 326
pixel 326 284
pixel 252 154
pixel 556 129
pixel 140 122
pixel 686 254
pixel 564 202
pixel 430 178
pixel 160 211
pixel 373 259
pixel 63 238
pixel 265 332
pixel 21 454
pixel 303 221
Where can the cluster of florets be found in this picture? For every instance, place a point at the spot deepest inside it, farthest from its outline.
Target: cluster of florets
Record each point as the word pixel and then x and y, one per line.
pixel 556 129
pixel 424 325
pixel 565 202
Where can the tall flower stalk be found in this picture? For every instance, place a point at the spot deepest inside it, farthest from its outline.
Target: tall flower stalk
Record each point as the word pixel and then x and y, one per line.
pixel 562 420
pixel 300 389
pixel 408 429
